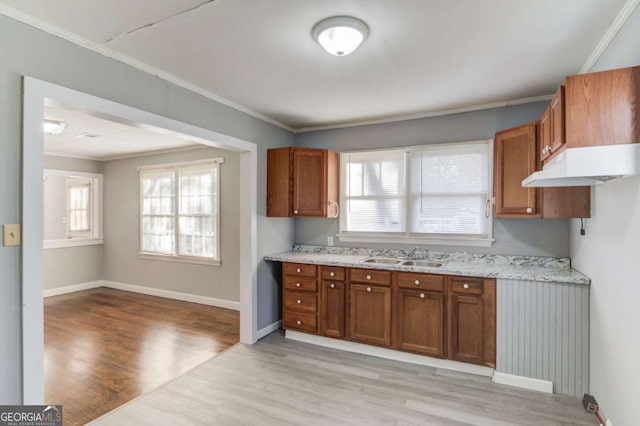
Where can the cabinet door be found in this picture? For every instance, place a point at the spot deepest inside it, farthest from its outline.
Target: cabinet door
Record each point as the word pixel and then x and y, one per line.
pixel 278 178
pixel 333 309
pixel 545 134
pixel 420 322
pixel 370 314
pixel 466 328
pixel 309 182
pixel 557 121
pixel 515 159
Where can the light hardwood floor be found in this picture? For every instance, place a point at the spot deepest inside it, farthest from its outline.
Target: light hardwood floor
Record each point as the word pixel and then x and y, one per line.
pixel 282 382
pixel 104 347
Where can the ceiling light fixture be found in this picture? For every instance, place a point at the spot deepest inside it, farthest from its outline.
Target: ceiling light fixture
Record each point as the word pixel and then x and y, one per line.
pixel 340 35
pixel 54 127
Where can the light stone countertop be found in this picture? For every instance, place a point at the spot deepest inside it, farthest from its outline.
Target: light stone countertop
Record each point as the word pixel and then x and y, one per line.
pixel 528 268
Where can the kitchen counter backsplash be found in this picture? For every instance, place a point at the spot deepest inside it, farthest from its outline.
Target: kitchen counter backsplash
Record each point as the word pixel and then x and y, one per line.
pixel 491 259
pixel 530 268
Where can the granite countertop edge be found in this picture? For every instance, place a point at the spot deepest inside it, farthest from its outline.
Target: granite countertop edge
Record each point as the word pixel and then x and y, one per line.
pixel 563 275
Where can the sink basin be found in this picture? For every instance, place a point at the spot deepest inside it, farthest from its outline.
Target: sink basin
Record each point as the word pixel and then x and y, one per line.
pixel 382 260
pixel 425 263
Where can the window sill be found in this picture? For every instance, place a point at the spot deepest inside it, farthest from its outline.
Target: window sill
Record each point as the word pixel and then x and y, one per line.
pixel 465 242
pixel 180 259
pixel 72 242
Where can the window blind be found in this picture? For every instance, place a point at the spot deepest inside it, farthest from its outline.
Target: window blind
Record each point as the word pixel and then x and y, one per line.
pixel 198 210
pixel 79 207
pixel 158 210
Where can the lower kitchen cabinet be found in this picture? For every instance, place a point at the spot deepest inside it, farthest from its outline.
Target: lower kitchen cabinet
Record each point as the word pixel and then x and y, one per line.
pixel 370 314
pixel 420 322
pixel 472 320
pixel 332 309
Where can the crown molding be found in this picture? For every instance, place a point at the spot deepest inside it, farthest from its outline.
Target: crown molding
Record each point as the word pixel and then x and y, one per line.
pixel 610 34
pixel 142 66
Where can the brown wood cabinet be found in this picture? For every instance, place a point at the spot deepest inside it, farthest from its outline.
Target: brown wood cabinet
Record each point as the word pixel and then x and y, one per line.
pixel 516 158
pixel 370 314
pixel 552 127
pixel 420 322
pixel 302 182
pixel 300 297
pixel 603 108
pixel 472 320
pixel 333 302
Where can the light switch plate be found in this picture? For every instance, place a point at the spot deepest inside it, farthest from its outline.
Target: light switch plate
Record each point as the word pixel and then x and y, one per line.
pixel 11 235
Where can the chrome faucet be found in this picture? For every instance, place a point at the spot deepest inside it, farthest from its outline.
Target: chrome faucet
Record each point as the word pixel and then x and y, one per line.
pixel 414 254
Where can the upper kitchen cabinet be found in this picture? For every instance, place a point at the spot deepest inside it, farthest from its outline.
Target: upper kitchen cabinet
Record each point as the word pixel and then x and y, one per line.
pixel 552 127
pixel 603 108
pixel 516 158
pixel 302 182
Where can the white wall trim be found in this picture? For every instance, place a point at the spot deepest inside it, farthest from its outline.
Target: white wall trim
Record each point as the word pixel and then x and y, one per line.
pixel 72 242
pixel 175 295
pixel 73 288
pixel 113 54
pixel 269 329
pixel 609 35
pixel 360 348
pixel 523 382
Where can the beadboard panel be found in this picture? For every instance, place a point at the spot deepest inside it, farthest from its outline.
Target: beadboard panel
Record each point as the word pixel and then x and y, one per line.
pixel 543 333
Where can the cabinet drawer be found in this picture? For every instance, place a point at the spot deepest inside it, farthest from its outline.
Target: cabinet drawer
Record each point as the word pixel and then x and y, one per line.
pixel 300 284
pixel 298 301
pixel 333 273
pixel 300 321
pixel 299 269
pixel 421 281
pixel 371 276
pixel 465 285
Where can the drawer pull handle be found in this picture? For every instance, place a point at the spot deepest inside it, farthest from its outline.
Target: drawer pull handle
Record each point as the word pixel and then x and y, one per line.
pixel 368 277
pixel 332 274
pixel 332 285
pixel 298 322
pixel 298 270
pixel 465 286
pixel 369 289
pixel 297 284
pixel 422 296
pixel 298 301
pixel 417 282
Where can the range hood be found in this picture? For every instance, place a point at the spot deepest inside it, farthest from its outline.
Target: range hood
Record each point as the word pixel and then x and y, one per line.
pixel 588 166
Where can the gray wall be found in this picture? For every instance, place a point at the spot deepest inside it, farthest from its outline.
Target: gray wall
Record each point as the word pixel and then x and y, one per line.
pixel 513 236
pixel 609 256
pixel 71 265
pixel 122 230
pixel 28 51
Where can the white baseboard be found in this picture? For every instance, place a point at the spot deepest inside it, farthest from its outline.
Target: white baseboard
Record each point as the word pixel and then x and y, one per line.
pixel 168 294
pixel 390 354
pixel 523 382
pixel 72 288
pixel 269 329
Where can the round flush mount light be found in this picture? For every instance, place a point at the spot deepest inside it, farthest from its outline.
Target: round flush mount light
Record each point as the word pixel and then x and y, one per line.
pixel 52 127
pixel 340 35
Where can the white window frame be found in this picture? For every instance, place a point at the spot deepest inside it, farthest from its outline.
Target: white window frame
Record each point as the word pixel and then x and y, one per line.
pixel 95 235
pixel 414 238
pixel 176 257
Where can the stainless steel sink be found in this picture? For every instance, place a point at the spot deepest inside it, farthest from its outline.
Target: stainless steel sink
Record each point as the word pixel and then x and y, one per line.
pixel 382 260
pixel 424 263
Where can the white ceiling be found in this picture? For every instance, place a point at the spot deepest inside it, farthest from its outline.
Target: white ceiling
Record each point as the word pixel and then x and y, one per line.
pixel 114 140
pixel 422 55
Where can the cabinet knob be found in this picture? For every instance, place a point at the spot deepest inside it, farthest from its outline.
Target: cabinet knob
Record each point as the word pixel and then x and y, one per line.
pixel 368 288
pixel 421 295
pixel 417 282
pixel 298 301
pixel 298 322
pixel 295 212
pixel 298 270
pixel 465 286
pixel 332 285
pixel 529 210
pixel 297 284
pixel 368 277
pixel 332 274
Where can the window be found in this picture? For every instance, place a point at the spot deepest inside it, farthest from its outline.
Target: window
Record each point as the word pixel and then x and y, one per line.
pixel 428 194
pixel 179 213
pixel 78 207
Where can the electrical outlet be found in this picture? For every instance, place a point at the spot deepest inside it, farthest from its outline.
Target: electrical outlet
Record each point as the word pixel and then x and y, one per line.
pixel 11 235
pixel 330 241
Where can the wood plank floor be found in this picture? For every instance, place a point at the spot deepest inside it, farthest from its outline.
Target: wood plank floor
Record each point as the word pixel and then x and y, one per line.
pixel 104 347
pixel 282 382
